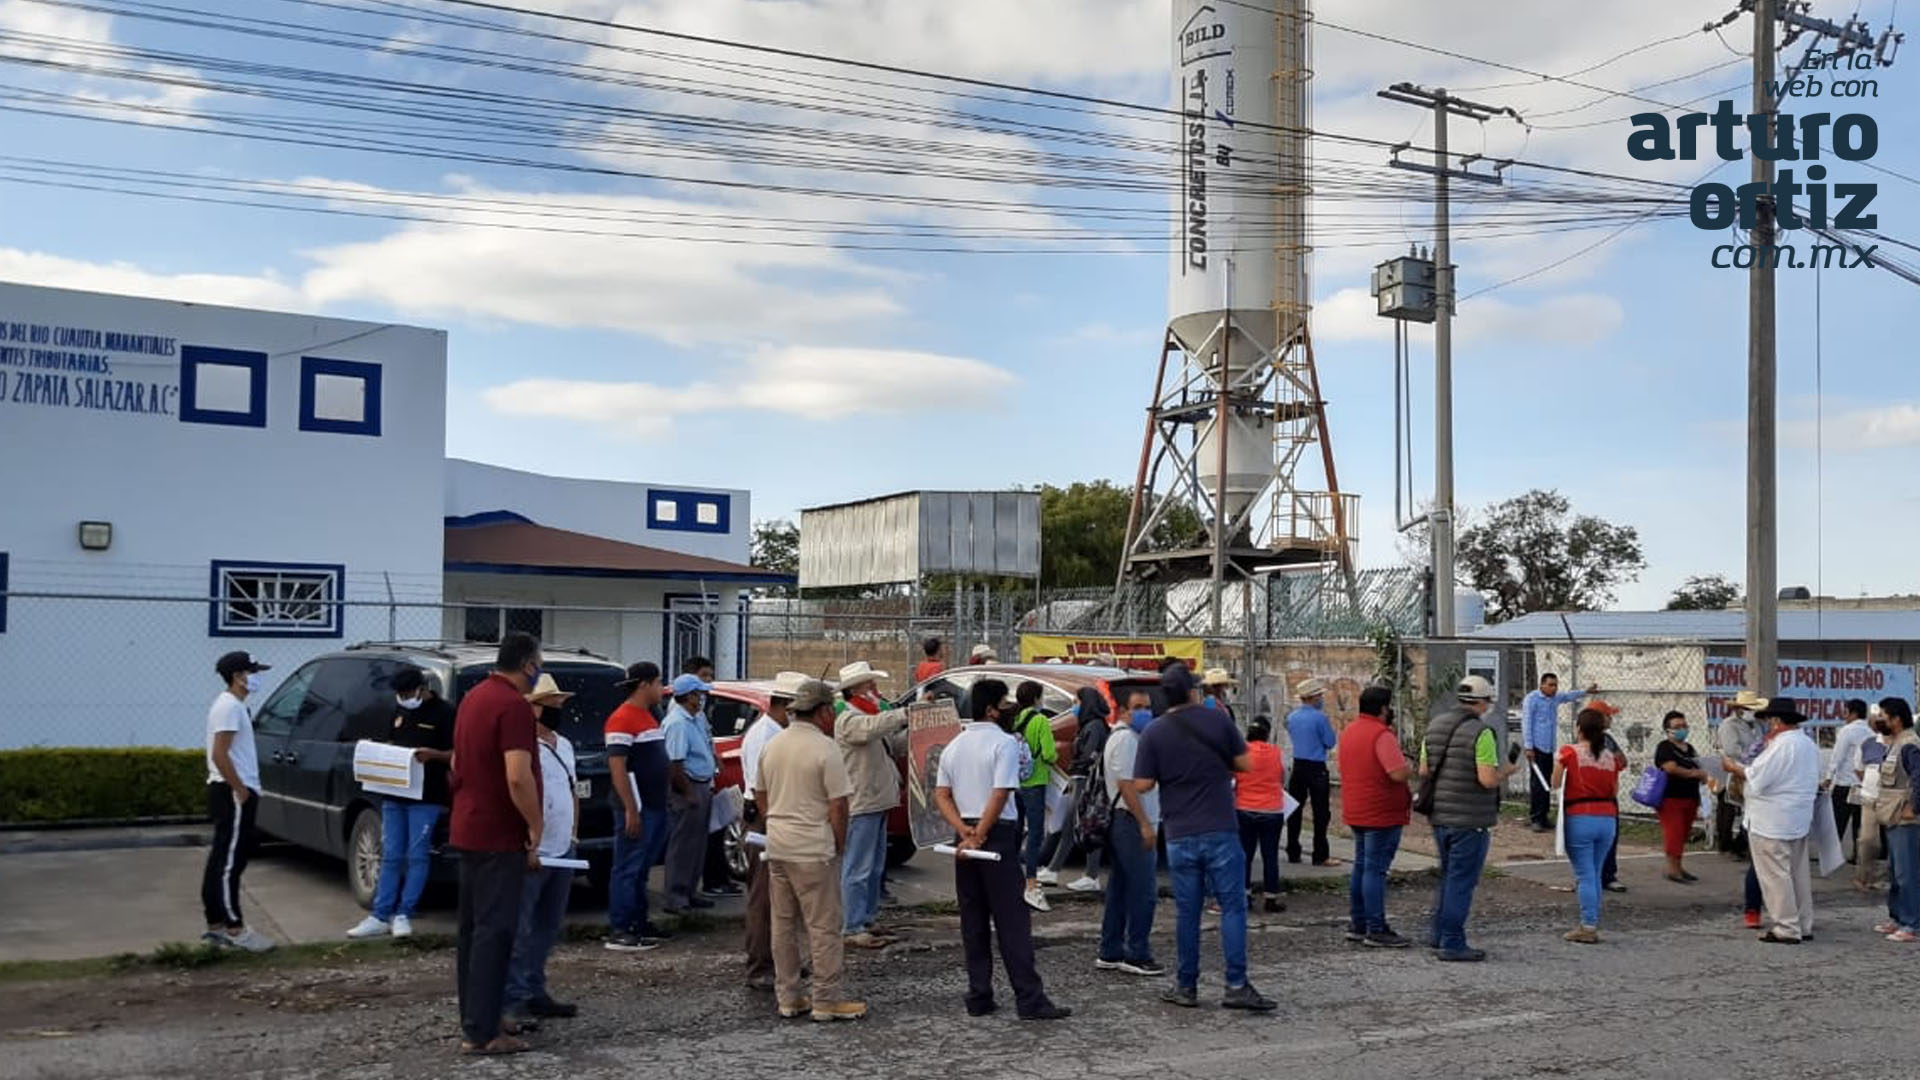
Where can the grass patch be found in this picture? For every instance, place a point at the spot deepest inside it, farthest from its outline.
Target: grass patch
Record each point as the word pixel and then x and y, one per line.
pixel 198 956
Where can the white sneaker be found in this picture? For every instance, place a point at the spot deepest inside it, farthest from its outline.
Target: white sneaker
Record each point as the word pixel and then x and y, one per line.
pixel 367 927
pixel 1084 884
pixel 252 940
pixel 1046 876
pixel 1037 900
pixel 402 926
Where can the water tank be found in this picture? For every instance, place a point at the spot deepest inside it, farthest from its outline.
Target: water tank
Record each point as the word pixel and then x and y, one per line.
pixel 1249 460
pixel 1469 610
pixel 1241 197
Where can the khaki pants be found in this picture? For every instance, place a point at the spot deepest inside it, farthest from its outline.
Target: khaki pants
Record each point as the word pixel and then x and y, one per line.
pixel 1784 868
pixel 805 898
pixel 1867 853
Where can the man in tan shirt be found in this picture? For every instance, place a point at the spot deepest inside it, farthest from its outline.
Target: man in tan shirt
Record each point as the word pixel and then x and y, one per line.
pixel 803 790
pixel 866 729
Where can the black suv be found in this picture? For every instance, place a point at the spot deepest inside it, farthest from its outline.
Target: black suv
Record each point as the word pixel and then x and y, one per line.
pixel 305 731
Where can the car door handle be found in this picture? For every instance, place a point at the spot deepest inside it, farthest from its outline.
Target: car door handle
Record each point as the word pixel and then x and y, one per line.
pixel 292 757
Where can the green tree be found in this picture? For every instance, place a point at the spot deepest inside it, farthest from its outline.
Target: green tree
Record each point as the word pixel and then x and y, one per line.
pixel 1708 592
pixel 776 547
pixel 1533 553
pixel 1083 531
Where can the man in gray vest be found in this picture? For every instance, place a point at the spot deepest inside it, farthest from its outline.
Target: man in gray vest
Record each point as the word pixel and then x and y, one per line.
pixel 1462 756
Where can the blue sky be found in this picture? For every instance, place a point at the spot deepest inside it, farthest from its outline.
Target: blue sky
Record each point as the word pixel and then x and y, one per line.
pixel 813 376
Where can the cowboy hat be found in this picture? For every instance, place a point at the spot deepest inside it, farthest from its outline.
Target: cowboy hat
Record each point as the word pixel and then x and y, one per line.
pixel 1217 677
pixel 548 692
pixel 1747 700
pixel 859 672
pixel 1781 709
pixel 1308 688
pixel 982 651
pixel 787 684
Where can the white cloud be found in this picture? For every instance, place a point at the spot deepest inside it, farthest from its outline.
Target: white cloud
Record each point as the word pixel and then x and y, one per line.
pixel 814 383
pixel 1896 425
pixel 43 33
pixel 238 290
pixel 1569 319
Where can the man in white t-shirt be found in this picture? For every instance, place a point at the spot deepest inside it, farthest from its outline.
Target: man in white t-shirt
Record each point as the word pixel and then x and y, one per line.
pixel 233 794
pixel 543 899
pixel 759 945
pixel 1782 784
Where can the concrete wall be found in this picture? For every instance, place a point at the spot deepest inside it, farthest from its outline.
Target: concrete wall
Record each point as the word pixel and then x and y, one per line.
pixel 620 618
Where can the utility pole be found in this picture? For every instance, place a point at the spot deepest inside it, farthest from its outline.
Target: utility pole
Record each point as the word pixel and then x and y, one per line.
pixel 1763 596
pixel 1440 517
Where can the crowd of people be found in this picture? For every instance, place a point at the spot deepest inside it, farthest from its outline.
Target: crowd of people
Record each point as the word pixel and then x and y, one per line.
pixel 1183 773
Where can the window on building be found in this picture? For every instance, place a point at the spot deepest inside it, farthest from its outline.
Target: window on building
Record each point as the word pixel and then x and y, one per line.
pixel 339 396
pixel 223 386
pixel 689 511
pixel 488 623
pixel 276 600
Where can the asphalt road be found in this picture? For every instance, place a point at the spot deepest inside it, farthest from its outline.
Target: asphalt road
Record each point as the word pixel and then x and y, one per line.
pixel 1678 989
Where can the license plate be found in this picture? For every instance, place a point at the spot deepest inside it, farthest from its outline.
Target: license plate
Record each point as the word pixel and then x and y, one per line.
pixel 583 789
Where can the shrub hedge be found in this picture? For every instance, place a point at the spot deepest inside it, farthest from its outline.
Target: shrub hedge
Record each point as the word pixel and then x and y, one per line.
pixel 42 785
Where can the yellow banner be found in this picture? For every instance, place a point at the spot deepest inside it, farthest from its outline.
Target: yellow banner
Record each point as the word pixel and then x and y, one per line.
pixel 1134 654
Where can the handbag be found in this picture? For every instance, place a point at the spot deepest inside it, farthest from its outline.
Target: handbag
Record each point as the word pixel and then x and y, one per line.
pixel 1652 788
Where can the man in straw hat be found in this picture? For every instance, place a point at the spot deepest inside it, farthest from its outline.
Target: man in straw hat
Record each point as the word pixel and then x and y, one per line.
pixel 803 793
pixel 982 654
pixel 1311 733
pixel 1218 683
pixel 863 729
pixel 1782 785
pixel 1741 738
pixel 543 897
pixel 752 747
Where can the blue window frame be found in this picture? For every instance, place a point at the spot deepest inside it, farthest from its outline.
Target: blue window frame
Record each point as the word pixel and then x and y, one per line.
pixel 276 600
pixel 689 511
pixel 344 377
pixel 195 358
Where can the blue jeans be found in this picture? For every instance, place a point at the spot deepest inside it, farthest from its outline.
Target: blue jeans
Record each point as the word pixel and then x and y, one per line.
pixel 406 853
pixel 1903 876
pixel 1033 822
pixel 543 906
pixel 1373 851
pixel 1589 837
pixel 1133 887
pixel 633 863
pixel 1209 864
pixel 865 869
pixel 1463 854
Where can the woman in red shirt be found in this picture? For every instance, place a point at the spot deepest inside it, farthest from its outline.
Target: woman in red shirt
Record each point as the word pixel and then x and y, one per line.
pixel 1590 773
pixel 1257 795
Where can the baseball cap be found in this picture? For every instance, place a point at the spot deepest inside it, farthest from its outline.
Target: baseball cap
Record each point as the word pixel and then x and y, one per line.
pixel 810 695
pixel 1474 688
pixel 1605 708
pixel 690 684
pixel 235 662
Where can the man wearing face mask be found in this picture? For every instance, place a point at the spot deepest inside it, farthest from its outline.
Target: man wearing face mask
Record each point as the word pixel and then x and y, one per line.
pixel 233 794
pixel 423 721
pixel 864 730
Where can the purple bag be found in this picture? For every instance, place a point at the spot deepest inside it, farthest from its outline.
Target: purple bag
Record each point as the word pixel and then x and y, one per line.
pixel 1652 788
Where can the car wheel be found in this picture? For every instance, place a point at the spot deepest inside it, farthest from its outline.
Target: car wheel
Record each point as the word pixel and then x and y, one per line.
pixel 899 851
pixel 738 863
pixel 363 856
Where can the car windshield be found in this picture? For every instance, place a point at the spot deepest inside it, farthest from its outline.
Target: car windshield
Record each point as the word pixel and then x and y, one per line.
pixel 583 718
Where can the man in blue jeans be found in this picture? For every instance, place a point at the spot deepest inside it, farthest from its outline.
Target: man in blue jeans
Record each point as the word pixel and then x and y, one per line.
pixel 1133 879
pixel 424 721
pixel 1191 753
pixel 1462 755
pixel 637 768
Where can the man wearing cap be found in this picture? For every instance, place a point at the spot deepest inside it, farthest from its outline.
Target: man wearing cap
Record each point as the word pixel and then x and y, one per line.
pixel 803 793
pixel 543 897
pixel 1461 755
pixel 1782 784
pixel 863 729
pixel 233 795
pixel 1539 737
pixel 424 721
pixel 1191 754
pixel 1312 736
pixel 691 767
pixel 981 654
pixel 753 747
pixel 974 790
pixel 637 769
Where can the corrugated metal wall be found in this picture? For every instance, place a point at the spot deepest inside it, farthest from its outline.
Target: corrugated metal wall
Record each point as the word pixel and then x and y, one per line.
pixel 907 537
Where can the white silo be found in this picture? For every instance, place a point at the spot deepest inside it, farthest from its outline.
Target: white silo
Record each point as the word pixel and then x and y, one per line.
pixel 1237 357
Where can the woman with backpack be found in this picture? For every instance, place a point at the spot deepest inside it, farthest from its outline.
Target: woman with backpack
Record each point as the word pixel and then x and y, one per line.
pixel 1035 728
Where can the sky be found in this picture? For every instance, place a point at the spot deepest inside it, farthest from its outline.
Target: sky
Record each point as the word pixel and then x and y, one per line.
pixel 817 374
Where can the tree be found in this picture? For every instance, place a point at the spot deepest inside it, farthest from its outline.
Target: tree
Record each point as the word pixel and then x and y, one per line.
pixel 1532 553
pixel 1709 592
pixel 776 547
pixel 1083 532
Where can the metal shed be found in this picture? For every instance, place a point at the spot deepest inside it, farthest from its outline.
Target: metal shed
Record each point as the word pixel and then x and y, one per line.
pixel 902 538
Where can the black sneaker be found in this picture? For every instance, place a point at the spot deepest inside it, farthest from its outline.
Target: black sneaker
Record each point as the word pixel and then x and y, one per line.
pixel 985 1009
pixel 1463 956
pixel 1049 1011
pixel 1275 905
pixel 1148 968
pixel 1388 940
pixel 547 1007
pixel 1355 935
pixel 1614 886
pixel 729 889
pixel 654 933
pixel 1184 996
pixel 630 943
pixel 1248 999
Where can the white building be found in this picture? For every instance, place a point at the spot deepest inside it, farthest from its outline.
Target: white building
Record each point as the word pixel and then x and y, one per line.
pixel 183 480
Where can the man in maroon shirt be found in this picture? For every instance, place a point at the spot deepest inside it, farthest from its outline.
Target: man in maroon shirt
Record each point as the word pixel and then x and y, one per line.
pixel 495 826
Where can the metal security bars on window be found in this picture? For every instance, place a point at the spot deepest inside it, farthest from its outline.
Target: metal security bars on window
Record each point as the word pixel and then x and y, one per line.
pixel 262 601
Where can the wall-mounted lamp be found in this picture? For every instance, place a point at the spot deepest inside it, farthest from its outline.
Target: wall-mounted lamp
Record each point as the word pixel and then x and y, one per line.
pixel 96 535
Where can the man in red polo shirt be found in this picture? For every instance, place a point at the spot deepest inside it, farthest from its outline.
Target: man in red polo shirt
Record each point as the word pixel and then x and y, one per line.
pixel 495 826
pixel 1376 804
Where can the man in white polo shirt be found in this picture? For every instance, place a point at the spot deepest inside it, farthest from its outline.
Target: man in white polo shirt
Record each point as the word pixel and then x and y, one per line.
pixel 979 772
pixel 233 794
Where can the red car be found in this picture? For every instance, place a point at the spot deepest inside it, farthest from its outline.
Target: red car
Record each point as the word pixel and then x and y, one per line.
pixel 732 709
